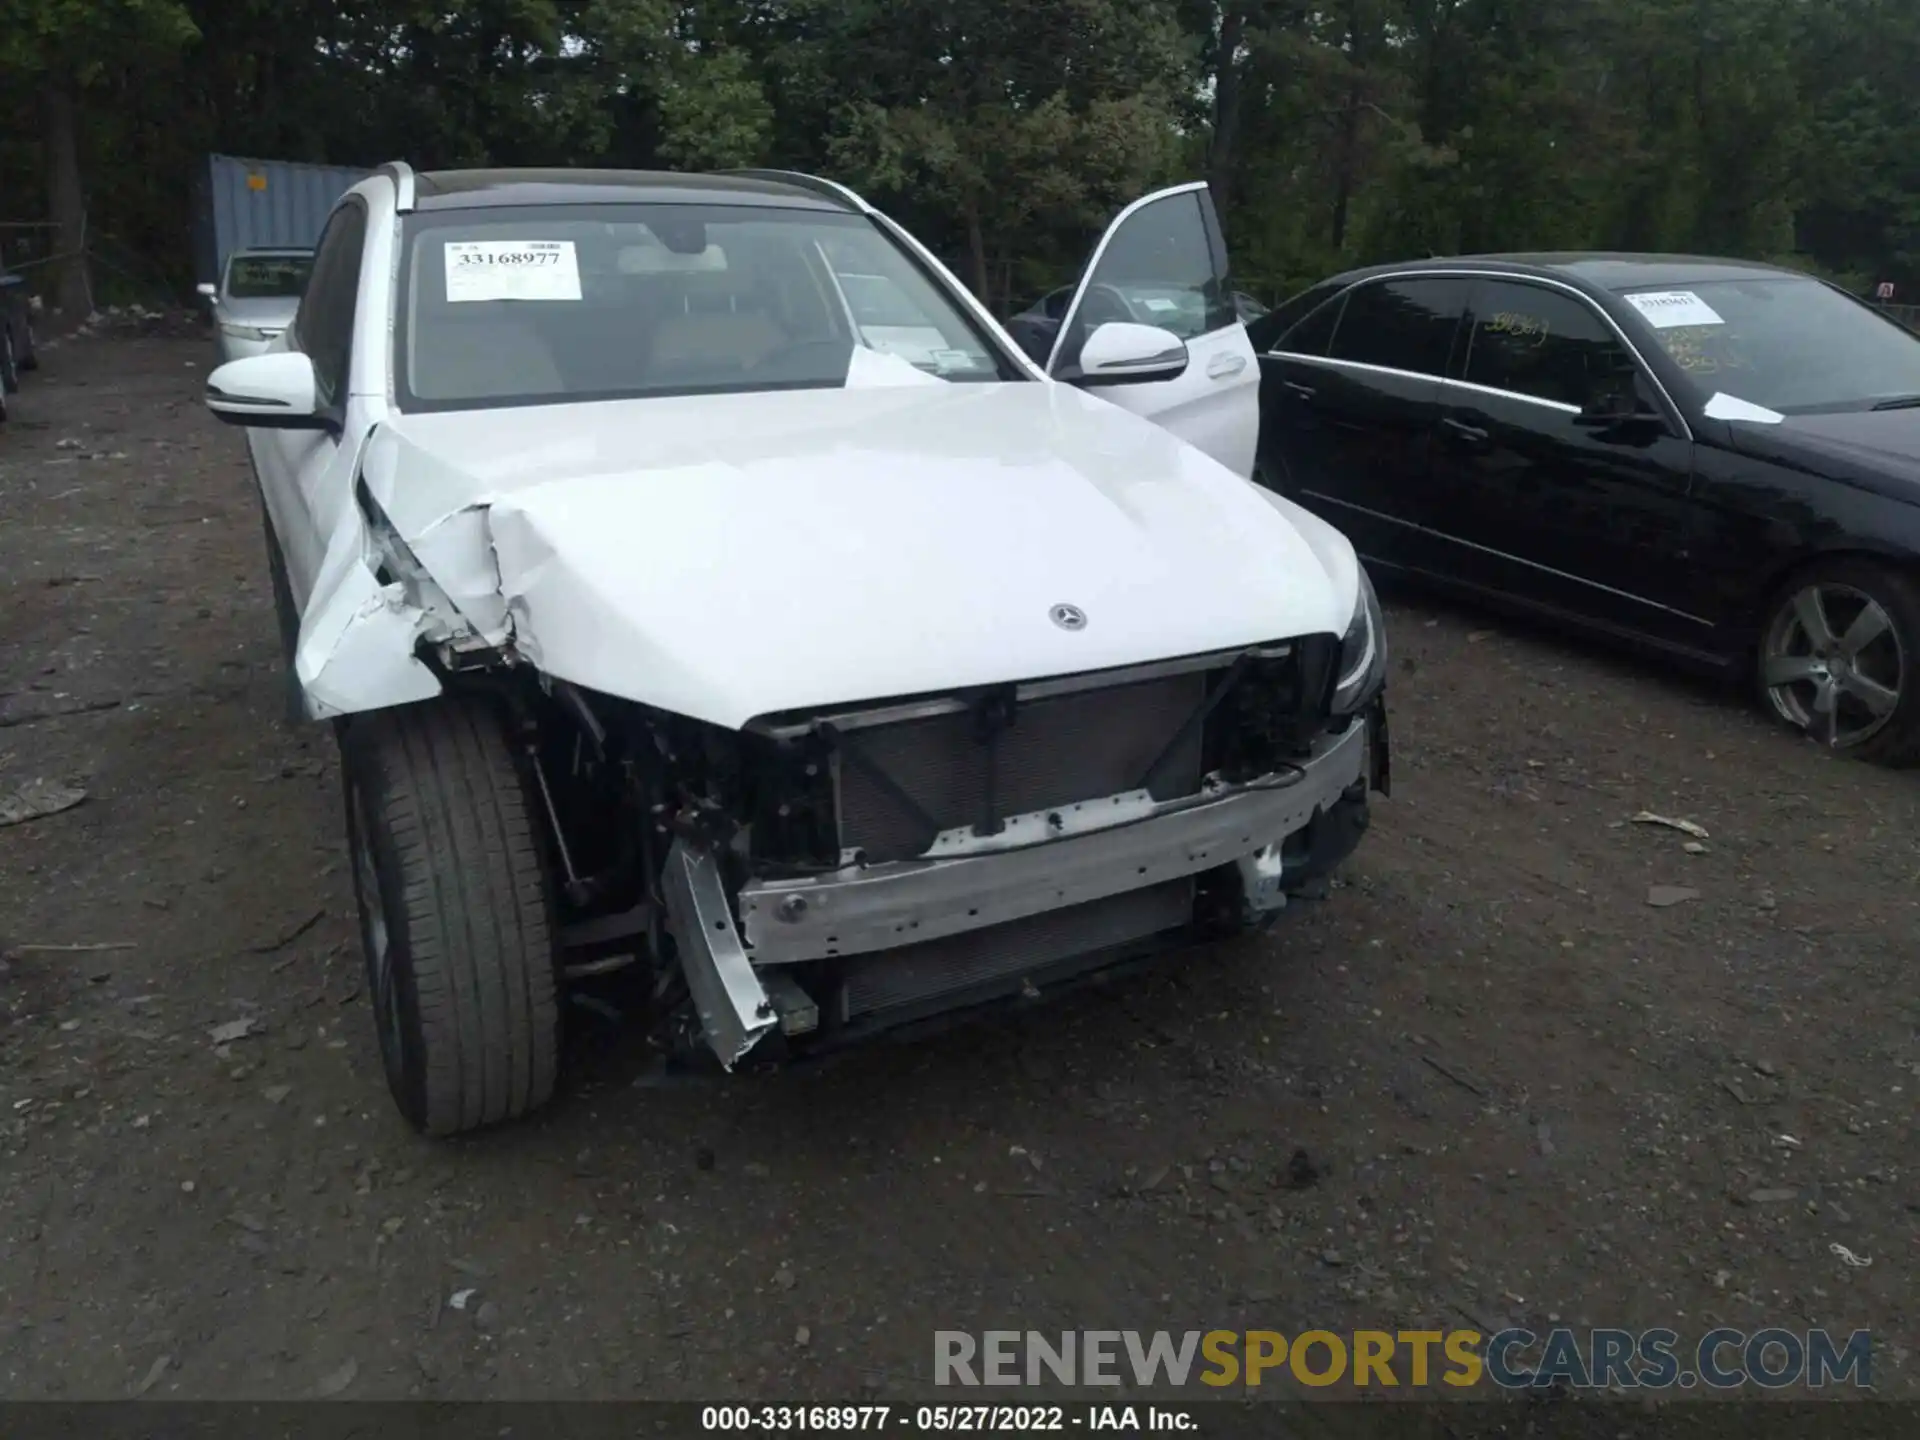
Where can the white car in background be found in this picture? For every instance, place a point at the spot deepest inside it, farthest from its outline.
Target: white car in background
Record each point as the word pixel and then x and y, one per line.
pixel 678 620
pixel 255 299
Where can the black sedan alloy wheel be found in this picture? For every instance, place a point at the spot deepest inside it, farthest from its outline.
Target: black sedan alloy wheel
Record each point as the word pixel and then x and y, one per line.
pixel 1837 660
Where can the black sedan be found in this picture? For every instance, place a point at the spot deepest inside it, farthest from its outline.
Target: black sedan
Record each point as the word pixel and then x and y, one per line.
pixel 1716 458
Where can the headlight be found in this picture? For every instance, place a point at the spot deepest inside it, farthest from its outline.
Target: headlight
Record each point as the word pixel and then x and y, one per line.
pixel 1363 653
pixel 246 332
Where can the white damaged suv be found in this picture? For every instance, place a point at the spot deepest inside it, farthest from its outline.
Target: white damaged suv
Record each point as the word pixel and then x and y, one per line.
pixel 700 580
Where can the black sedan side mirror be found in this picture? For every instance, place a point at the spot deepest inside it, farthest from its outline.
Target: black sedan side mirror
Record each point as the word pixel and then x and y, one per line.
pixel 1620 419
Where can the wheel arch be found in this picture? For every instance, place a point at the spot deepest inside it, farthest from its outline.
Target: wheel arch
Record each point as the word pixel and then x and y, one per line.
pixel 1854 547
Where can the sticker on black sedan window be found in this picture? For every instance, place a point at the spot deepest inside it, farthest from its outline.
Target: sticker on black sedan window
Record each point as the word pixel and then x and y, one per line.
pixel 511 270
pixel 1670 309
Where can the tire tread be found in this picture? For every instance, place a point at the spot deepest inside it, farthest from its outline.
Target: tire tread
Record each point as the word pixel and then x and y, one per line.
pixel 477 909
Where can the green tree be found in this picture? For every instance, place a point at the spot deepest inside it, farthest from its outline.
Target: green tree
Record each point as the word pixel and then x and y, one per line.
pixel 58 51
pixel 1006 131
pixel 1023 125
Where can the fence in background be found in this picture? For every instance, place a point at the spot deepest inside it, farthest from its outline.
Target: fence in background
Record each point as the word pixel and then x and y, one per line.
pixel 1907 315
pixel 25 246
pixel 118 273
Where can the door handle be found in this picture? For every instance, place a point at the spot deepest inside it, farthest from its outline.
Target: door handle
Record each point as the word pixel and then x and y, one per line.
pixel 1221 367
pixel 1472 434
pixel 1304 392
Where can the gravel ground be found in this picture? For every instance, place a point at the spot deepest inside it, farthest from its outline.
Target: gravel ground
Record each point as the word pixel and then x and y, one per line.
pixel 1524 1091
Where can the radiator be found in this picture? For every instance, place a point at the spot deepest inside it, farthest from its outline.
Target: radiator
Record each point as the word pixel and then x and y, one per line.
pixel 1057 751
pixel 916 975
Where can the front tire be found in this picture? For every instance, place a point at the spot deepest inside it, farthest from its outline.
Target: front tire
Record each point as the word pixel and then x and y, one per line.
pixel 1839 659
pixel 456 911
pixel 9 366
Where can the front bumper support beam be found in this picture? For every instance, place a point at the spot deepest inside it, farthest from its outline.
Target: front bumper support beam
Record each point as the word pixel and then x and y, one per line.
pixel 854 912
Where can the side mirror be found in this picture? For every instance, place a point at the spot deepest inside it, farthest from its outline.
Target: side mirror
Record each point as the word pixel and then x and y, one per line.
pixel 1122 353
pixel 207 289
pixel 1614 405
pixel 1602 416
pixel 1619 417
pixel 274 391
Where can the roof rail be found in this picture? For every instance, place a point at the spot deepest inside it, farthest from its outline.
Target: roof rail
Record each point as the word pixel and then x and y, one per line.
pixel 832 189
pixel 401 174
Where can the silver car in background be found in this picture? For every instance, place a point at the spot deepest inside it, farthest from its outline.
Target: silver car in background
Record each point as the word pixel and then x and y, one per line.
pixel 256 298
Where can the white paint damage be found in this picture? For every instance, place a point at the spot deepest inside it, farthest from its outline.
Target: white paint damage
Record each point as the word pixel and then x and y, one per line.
pixel 777 551
pixel 358 635
pixel 355 650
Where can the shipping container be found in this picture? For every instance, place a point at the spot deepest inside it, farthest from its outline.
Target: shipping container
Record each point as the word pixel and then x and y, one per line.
pixel 245 204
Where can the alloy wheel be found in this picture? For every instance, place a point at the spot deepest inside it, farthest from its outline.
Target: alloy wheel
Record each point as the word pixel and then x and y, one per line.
pixel 1833 664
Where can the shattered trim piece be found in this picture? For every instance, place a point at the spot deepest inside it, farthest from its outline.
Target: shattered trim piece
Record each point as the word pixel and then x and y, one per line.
pixel 734 1008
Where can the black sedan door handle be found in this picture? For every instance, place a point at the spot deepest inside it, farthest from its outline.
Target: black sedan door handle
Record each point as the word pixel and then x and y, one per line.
pixel 1473 434
pixel 1305 392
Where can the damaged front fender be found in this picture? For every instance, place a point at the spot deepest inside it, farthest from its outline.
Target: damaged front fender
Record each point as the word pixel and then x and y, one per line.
pixel 374 601
pixel 403 563
pixel 357 652
pixel 357 636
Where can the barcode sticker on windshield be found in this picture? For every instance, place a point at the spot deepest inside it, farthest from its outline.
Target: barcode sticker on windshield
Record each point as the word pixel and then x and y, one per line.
pixel 511 270
pixel 1670 309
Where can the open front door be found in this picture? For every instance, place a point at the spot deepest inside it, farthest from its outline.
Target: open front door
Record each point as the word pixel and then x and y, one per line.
pixel 1163 262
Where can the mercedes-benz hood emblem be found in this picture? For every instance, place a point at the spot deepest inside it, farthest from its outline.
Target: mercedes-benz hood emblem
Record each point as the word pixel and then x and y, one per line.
pixel 1068 617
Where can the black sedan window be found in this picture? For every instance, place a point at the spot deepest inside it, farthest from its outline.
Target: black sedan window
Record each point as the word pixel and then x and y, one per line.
pixel 1401 324
pixel 1302 324
pixel 1544 344
pixel 1790 344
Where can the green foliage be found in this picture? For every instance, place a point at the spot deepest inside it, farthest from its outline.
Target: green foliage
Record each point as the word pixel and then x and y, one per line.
pixel 80 39
pixel 713 112
pixel 1022 125
pixel 1006 131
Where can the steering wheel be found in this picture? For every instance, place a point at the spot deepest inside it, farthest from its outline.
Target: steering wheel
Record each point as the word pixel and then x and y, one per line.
pixel 1102 304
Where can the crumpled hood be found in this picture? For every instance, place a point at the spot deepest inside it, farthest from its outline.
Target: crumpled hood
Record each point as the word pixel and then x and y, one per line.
pixel 726 557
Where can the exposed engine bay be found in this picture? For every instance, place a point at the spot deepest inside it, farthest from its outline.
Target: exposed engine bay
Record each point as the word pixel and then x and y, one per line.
pixel 816 877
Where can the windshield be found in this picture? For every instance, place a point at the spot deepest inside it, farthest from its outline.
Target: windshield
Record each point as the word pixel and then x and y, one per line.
pixel 267 277
pixel 1790 344
pixel 879 303
pixel 551 304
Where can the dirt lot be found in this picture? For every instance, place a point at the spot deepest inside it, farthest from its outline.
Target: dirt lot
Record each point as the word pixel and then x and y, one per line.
pixel 1525 1092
